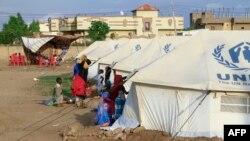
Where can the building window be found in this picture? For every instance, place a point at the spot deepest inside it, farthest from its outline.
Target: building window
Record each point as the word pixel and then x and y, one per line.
pixel 212 28
pixel 235 104
pixel 147 26
pixel 243 27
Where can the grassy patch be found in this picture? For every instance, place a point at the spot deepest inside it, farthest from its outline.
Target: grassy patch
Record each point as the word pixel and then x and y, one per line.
pixel 47 84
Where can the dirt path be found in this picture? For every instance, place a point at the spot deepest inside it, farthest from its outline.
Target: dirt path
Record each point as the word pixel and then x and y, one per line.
pixel 21 108
pixel 24 118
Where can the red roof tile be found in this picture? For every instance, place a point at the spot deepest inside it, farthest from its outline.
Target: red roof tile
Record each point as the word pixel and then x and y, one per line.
pixel 146 7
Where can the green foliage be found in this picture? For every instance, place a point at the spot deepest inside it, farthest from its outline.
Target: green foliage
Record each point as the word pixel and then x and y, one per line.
pixel 98 30
pixel 14 30
pixel 34 27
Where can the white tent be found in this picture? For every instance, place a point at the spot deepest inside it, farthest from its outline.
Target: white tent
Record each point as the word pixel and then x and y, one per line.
pixel 128 49
pixel 131 47
pixel 173 93
pixel 94 46
pixel 99 50
pixel 155 50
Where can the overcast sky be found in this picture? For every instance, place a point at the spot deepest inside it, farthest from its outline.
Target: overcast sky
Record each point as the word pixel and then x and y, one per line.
pixel 43 9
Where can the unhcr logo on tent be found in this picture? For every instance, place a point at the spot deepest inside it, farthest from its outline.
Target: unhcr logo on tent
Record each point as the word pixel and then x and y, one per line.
pixel 239 54
pixel 137 47
pixel 167 48
pixel 235 58
pixel 116 46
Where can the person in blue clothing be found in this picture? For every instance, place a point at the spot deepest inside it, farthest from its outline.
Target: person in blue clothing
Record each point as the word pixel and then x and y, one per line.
pixel 105 110
pixel 105 92
pixel 119 104
pixel 76 67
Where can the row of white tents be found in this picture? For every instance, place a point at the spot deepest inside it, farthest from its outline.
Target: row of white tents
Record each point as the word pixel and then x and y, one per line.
pixel 186 86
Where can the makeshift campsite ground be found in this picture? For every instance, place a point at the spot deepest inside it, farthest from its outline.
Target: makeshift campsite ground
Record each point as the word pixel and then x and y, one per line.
pixel 93 133
pixel 24 118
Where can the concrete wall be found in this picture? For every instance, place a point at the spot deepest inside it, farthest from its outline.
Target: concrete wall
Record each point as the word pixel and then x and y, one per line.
pixel 6 51
pixel 214 26
pixel 241 27
pixel 147 13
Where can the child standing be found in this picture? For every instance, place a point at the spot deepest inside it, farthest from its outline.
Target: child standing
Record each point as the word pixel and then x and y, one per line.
pixel 58 92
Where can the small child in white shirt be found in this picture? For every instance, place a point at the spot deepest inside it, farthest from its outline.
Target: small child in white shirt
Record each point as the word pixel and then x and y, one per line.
pixel 58 92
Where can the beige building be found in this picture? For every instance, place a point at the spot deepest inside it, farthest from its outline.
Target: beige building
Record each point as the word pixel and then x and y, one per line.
pixel 207 20
pixel 145 21
pixel 45 29
pixel 44 26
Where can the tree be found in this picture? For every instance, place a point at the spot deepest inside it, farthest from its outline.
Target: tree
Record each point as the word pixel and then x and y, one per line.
pixel 1 37
pixel 34 27
pixel 98 30
pixel 14 30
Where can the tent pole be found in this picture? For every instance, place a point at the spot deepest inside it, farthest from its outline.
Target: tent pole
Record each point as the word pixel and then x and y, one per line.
pixel 208 92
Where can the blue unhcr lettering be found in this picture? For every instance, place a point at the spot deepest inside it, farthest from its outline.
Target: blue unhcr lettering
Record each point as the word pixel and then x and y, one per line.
pixel 227 77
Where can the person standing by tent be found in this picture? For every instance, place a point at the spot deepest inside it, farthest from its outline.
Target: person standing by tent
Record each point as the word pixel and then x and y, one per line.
pixel 76 67
pixel 107 73
pixel 83 67
pixel 118 86
pixel 78 89
pixel 119 104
